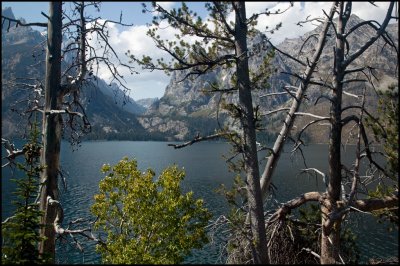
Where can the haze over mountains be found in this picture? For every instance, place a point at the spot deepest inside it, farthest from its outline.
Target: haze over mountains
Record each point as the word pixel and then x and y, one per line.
pixel 185 110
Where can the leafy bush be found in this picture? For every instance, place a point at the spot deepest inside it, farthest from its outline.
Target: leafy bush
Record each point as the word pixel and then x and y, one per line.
pixel 147 220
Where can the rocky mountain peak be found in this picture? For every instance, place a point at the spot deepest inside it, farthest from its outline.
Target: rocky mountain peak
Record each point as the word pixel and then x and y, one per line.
pixel 7 12
pixel 184 102
pixel 9 26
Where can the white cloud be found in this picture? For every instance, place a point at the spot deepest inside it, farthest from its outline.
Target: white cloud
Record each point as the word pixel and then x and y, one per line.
pixel 301 10
pixel 138 43
pixel 366 11
pixel 135 40
pixel 167 5
pixel 152 84
pixel 289 19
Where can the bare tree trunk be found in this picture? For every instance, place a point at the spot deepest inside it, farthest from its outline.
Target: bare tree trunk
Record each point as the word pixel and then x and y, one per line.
pixel 288 124
pixel 254 196
pixel 51 129
pixel 330 240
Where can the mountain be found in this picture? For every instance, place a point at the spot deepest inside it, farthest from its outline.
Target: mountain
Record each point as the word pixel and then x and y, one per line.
pixel 19 57
pixel 120 99
pixel 185 110
pixel 383 61
pixel 147 102
pixel 111 114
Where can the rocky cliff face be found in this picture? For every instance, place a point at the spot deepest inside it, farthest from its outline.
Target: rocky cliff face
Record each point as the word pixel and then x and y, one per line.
pixel 189 108
pixel 185 102
pixel 147 102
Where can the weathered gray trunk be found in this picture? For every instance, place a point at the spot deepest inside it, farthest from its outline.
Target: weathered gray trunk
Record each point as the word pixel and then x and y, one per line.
pixel 288 124
pixel 51 128
pixel 257 222
pixel 331 229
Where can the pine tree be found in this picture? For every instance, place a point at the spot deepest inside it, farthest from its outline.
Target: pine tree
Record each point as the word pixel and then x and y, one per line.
pixel 20 232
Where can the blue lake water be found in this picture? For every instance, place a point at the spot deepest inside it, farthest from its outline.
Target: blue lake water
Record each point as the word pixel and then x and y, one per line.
pixel 205 170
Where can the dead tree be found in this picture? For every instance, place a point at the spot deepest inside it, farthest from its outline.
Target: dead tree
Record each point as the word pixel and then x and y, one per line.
pixel 51 130
pixel 338 201
pixel 61 98
pixel 305 81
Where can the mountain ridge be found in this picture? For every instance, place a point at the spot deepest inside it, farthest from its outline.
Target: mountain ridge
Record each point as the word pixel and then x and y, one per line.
pixel 185 99
pixel 185 110
pixel 111 113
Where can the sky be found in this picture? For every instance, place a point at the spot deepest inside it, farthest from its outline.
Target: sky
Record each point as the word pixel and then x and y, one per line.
pixel 152 84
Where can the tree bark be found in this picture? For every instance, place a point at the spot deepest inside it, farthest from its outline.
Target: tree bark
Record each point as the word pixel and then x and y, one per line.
pixel 51 129
pixel 330 240
pixel 254 195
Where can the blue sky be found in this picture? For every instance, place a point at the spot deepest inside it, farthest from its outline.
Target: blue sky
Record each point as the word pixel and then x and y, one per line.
pixel 131 11
pixel 152 84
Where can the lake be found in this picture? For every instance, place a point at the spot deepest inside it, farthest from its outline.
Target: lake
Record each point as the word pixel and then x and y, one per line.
pixel 205 170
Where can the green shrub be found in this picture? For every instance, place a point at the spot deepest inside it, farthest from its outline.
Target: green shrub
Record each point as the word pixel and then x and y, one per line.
pixel 147 220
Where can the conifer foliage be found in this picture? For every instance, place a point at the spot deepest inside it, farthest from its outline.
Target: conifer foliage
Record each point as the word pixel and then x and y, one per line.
pixel 20 232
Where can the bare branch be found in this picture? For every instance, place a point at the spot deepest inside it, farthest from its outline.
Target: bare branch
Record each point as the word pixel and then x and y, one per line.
pixel 12 152
pixel 273 94
pixel 313 115
pixel 305 42
pixel 379 33
pixel 359 69
pixel 65 111
pixel 369 205
pixel 350 94
pixel 67 231
pixel 293 204
pixel 312 252
pixel 20 23
pixel 286 54
pixel 309 124
pixel 275 111
pixel 293 94
pixel 307 20
pixel 198 139
pixel 325 178
pixel 322 97
pixel 8 219
pixel 365 140
pixel 356 174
